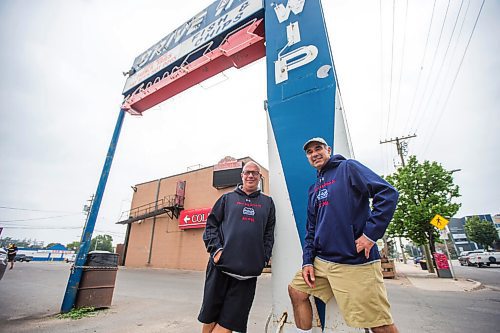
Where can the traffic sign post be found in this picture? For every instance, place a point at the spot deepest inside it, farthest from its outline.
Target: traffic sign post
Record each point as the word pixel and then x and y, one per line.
pixel 439 222
pixel 447 232
pixel 442 224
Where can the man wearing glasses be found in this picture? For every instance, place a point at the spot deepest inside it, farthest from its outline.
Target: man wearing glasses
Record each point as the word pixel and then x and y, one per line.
pixel 239 236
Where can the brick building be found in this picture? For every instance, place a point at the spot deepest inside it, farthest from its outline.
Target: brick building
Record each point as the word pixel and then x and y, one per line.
pixel 167 216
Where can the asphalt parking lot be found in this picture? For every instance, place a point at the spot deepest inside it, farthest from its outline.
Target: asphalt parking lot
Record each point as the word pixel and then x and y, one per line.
pixel 144 300
pixel 162 300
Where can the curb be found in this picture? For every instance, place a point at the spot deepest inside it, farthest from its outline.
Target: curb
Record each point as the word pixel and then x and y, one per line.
pixel 477 285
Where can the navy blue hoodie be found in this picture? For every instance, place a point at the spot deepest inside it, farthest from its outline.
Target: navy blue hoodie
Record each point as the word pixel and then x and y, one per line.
pixel 243 226
pixel 339 212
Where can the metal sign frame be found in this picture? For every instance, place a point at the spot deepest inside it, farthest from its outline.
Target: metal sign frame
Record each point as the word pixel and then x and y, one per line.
pixel 301 89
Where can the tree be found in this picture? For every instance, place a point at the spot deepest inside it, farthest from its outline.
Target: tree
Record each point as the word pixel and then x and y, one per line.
pixel 481 231
pixel 19 243
pixel 102 243
pixel 74 246
pixel 425 189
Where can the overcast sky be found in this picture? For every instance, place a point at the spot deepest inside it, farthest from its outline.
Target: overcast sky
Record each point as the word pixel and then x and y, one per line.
pixel 61 83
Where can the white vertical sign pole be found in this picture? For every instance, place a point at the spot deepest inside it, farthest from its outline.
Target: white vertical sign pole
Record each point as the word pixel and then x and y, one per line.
pixel 447 232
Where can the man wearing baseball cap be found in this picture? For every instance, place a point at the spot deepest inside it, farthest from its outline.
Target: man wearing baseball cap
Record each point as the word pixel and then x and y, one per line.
pixel 339 256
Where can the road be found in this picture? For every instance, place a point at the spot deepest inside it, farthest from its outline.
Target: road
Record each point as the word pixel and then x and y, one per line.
pixel 160 300
pixel 488 276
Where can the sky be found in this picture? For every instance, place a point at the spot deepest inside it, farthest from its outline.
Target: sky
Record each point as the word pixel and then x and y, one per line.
pixel 401 71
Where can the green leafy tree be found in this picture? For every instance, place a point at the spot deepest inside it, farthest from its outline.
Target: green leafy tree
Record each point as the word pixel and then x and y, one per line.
pixel 74 246
pixel 425 189
pixel 4 242
pixel 50 245
pixel 481 231
pixel 102 243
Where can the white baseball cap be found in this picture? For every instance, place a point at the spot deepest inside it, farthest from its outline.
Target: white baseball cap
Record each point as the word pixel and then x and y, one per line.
pixel 317 139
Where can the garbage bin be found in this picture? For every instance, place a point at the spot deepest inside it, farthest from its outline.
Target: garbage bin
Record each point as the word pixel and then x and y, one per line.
pixel 98 280
pixel 423 264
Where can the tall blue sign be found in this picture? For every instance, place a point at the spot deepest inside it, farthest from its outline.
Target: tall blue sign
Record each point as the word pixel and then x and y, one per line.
pixel 301 94
pixel 300 90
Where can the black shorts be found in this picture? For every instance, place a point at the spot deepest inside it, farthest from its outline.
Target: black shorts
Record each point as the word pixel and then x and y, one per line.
pixel 226 300
pixel 11 258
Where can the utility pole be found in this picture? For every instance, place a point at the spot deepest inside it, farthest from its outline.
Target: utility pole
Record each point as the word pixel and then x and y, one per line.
pixel 401 147
pixel 88 208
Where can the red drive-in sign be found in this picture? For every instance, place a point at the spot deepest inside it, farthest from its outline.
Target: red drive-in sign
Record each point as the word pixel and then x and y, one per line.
pixel 194 218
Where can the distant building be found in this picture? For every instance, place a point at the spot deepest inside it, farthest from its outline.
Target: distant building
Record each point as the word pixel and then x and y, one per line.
pixel 57 247
pixel 496 221
pixel 457 230
pixel 56 252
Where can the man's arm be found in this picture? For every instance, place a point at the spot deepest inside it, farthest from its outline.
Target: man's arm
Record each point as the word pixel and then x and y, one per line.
pixel 212 235
pixel 384 200
pixel 269 232
pixel 308 252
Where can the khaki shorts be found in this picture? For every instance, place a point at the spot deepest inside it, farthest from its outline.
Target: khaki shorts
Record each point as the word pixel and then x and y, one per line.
pixel 358 289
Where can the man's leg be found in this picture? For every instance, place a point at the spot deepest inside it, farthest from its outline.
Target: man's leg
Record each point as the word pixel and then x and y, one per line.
pixel 302 309
pixel 361 296
pixel 214 328
pixel 220 329
pixel 385 329
pixel 213 298
pixel 207 328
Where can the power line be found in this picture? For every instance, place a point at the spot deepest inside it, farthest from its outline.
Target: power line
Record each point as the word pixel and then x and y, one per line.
pixel 392 63
pixel 426 85
pixel 443 88
pixel 421 67
pixel 433 90
pixel 116 233
pixel 381 67
pixel 39 218
pixel 384 157
pixel 455 78
pixel 401 68
pixel 35 210
pixel 38 227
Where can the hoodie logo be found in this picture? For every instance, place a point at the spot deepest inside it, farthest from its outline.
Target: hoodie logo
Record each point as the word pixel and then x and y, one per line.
pixel 322 194
pixel 248 211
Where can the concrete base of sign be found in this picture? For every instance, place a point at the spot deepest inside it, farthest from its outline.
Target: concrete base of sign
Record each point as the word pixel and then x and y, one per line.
pixel 334 322
pixel 444 273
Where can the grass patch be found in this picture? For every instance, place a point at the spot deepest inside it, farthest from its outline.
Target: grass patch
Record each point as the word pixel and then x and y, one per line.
pixel 78 313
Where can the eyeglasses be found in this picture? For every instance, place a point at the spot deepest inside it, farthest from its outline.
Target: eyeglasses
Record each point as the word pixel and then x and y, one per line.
pixel 253 173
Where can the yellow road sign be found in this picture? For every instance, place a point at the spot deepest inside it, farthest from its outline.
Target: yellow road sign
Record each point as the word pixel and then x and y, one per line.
pixel 439 222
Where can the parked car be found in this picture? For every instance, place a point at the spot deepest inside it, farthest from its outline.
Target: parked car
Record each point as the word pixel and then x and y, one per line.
pixel 23 257
pixel 464 257
pixel 70 258
pixel 485 258
pixel 3 261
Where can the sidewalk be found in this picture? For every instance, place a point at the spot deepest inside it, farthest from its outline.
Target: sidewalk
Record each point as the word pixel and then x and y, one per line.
pixel 422 279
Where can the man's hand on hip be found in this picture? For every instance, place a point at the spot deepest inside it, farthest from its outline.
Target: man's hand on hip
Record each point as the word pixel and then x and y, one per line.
pixel 308 276
pixel 217 256
pixel 363 243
